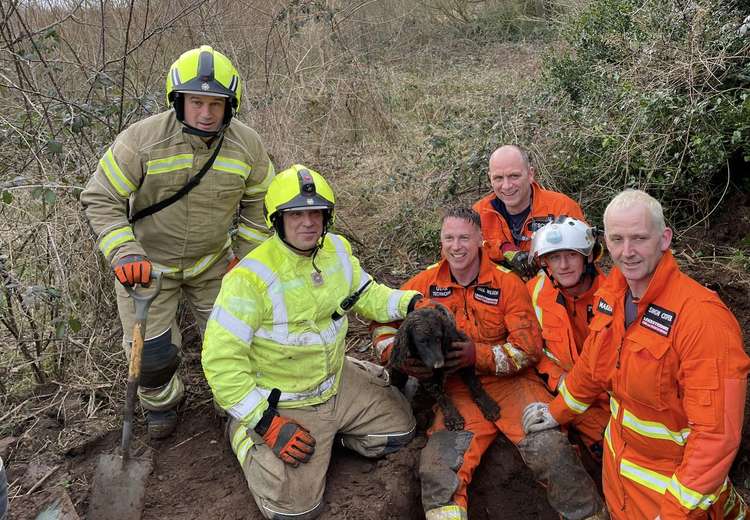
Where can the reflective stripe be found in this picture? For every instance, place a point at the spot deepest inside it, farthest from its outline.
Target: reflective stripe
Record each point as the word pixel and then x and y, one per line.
pixel 232 324
pixel 261 187
pixel 164 397
pixel 382 330
pixel 653 429
pixel 159 268
pixel 280 328
pixel 247 404
pixel 116 238
pixel 241 443
pixel 393 304
pixel 169 164
pixel 250 234
pixel 228 165
pixel 644 476
pixel 691 499
pixel 206 262
pixel 574 404
pixel 382 345
pixel 535 298
pixel 299 396
pixel 343 254
pixel 447 513
pixel 114 174
pixel 550 355
pixel 608 437
pixel 650 429
pixel 280 332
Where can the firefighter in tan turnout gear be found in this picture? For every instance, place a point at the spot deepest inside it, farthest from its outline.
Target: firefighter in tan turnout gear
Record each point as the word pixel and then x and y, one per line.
pixel 164 198
pixel 274 353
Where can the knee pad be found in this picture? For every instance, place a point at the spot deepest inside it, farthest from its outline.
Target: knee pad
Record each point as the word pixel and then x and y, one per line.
pixel 160 361
pixel 439 463
pixel 396 441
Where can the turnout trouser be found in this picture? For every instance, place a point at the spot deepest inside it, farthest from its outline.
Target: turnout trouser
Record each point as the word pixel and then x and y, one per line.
pixel 449 459
pixel 367 415
pixel 161 387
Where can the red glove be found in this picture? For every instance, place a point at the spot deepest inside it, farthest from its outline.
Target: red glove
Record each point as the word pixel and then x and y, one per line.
pixel 289 441
pixel 463 353
pixel 133 269
pixel 415 368
pixel 233 262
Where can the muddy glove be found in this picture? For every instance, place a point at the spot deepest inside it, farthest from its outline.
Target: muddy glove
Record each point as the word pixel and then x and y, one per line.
pixel 462 354
pixel 536 418
pixel 133 269
pixel 518 262
pixel 289 441
pixel 415 368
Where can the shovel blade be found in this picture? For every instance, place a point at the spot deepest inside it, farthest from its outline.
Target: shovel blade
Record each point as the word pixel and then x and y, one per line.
pixel 119 487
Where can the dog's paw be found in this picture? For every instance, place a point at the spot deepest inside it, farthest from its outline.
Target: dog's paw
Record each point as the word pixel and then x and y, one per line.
pixel 489 408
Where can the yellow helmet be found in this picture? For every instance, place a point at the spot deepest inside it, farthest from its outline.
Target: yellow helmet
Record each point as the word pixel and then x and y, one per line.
pixel 206 72
pixel 298 188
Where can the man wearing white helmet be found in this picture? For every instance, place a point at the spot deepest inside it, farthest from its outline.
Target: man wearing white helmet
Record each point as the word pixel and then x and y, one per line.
pixel 562 293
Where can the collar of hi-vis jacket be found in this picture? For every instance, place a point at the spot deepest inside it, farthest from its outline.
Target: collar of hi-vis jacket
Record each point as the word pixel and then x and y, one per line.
pixel 486 270
pixel 616 285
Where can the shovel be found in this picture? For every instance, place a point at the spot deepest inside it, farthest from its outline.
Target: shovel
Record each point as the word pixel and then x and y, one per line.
pixel 120 479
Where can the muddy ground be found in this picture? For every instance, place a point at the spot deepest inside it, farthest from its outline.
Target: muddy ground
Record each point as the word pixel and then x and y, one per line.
pixel 197 477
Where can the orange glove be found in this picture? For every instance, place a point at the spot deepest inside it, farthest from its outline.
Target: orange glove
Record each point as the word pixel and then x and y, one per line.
pixel 289 441
pixel 133 269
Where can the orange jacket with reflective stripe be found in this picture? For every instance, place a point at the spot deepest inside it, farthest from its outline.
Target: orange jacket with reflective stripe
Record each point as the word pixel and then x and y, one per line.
pixel 560 348
pixel 495 312
pixel 545 206
pixel 677 377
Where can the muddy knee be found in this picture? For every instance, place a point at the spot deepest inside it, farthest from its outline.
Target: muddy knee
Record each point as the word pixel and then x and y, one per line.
pixel 439 463
pixel 553 461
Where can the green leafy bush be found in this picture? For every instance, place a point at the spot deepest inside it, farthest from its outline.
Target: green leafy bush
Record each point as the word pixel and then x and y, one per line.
pixel 651 95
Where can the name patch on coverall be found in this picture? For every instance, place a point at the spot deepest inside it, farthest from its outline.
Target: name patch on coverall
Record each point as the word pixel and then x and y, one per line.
pixel 488 295
pixel 604 307
pixel 440 292
pixel 658 319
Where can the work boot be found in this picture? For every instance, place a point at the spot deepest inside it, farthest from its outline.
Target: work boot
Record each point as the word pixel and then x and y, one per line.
pixel 161 424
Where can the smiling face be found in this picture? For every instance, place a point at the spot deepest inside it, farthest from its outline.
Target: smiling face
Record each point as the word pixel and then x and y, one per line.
pixel 566 267
pixel 205 113
pixel 303 229
pixel 635 244
pixel 511 178
pixel 461 241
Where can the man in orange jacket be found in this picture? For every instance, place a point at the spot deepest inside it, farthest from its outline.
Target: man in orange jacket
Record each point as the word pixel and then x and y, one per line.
pixel 670 354
pixel 492 309
pixel 516 208
pixel 563 294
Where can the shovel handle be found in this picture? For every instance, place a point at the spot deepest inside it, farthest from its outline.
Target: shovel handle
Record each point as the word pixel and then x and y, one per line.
pixel 142 299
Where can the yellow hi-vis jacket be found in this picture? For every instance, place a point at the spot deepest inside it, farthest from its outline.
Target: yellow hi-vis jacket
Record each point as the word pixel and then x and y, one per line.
pixel 272 326
pixel 153 159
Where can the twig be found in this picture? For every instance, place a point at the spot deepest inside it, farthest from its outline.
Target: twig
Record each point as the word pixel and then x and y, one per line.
pixel 41 481
pixel 187 440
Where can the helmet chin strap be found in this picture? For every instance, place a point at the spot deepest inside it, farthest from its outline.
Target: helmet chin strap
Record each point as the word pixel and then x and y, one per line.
pixel 588 269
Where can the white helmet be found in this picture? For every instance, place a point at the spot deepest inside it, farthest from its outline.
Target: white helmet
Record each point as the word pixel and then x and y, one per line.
pixel 563 234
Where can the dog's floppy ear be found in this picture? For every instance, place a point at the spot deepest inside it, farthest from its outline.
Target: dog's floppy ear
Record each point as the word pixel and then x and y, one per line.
pixel 400 347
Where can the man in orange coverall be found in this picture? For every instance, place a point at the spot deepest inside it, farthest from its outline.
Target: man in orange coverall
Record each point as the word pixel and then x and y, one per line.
pixel 670 354
pixel 493 310
pixel 516 208
pixel 562 293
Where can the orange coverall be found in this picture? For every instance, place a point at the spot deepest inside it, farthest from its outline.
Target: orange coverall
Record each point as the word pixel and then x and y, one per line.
pixel 545 206
pixel 677 379
pixel 562 348
pixel 496 313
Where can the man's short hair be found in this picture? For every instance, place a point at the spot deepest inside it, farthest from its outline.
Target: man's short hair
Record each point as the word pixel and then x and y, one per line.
pixel 630 198
pixel 463 213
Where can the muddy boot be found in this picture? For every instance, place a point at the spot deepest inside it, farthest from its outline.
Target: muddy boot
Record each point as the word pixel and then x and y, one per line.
pixel 161 424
